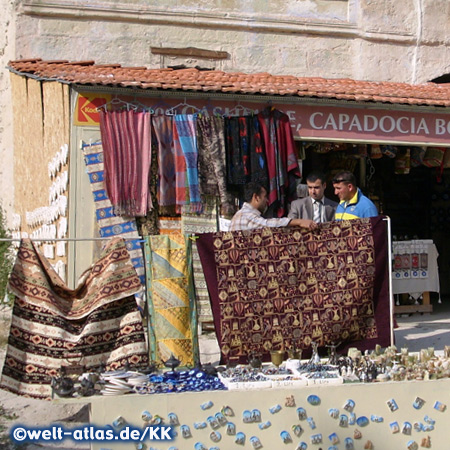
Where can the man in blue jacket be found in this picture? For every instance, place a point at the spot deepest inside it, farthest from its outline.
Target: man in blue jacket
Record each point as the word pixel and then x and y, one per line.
pixel 353 203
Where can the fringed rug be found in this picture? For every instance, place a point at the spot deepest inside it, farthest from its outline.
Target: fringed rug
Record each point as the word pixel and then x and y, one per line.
pixel 96 324
pixel 284 288
pixel 171 301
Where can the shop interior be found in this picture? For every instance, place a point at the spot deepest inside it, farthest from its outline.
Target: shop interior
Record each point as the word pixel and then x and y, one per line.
pixel 415 196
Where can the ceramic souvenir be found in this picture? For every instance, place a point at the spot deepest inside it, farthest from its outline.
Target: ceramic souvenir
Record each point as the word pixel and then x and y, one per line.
pixel 316 439
pixel 227 411
pixel 301 413
pixel 392 405
pixel 221 419
pixel 334 439
pixel 200 446
pixel 264 425
pixel 256 443
pixel 375 418
pixel 333 413
pixel 256 415
pixel 213 422
pixel 417 426
pixel 313 399
pixel 231 428
pixel 274 409
pixel 146 416
pixel 118 422
pixel 412 445
pixel 349 405
pixel 429 420
pixel 207 405
pixel 418 403
pixel 285 437
pixel 406 428
pixel 352 419
pixel 426 442
pixel 247 416
pixel 140 446
pixel 333 447
pixel 362 421
pixel 440 406
pixel 290 401
pixel 311 423
pixel 394 426
pixel 185 431
pixel 302 446
pixel 357 434
pixel 240 438
pixel 215 436
pixel 199 425
pixel 349 444
pixel 297 429
pixel 173 419
pixel 343 420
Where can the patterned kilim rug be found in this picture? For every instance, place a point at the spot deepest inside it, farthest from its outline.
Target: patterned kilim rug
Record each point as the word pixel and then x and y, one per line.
pixel 284 288
pixel 192 223
pixel 171 302
pixel 97 323
pixel 109 224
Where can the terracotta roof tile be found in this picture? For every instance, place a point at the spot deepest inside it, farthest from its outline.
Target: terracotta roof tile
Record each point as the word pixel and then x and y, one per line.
pixel 192 79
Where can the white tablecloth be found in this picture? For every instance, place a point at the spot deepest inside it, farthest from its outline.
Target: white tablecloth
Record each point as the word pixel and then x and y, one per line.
pixel 413 285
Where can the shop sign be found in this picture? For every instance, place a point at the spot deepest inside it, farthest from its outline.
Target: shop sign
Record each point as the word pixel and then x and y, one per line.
pixel 86 108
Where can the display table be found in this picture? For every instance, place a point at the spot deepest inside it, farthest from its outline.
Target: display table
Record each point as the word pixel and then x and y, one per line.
pixel 416 282
pixel 373 401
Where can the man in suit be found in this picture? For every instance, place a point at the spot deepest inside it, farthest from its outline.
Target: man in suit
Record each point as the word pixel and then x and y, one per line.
pixel 316 206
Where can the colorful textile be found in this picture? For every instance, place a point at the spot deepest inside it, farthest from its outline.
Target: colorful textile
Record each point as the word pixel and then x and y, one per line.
pixel 248 218
pixel 288 287
pixel 126 138
pixel 281 155
pixel 163 129
pixel 171 303
pixel 95 324
pixel 108 223
pixel 212 159
pixel 187 138
pixel 181 182
pixel 191 224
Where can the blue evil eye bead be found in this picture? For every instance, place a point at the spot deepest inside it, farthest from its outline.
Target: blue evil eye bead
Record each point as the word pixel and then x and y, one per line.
pixel 418 403
pixel 173 419
pixel 440 406
pixel 348 442
pixel 199 425
pixel 221 419
pixel 213 423
pixel 247 416
pixel 311 423
pixel 313 400
pixel 406 428
pixel 286 437
pixel 302 446
pixel 256 443
pixel 429 420
pixel 240 438
pixel 392 405
pixel 301 413
pixel 349 405
pixel 395 427
pixel 362 421
pixel 185 431
pixel 343 420
pixel 316 438
pixel 274 409
pixel 146 416
pixel 231 428
pixel 207 405
pixel 412 445
pixel 333 413
pixel 118 422
pixel 200 446
pixel 264 425
pixel 334 438
pixel 215 436
pixel 227 411
pixel 256 415
pixel 352 419
pixel 297 430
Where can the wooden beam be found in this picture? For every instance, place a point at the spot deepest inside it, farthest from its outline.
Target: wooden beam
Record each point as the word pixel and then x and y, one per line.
pixel 190 51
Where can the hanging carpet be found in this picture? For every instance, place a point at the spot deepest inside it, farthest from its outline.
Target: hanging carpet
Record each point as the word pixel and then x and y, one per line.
pixel 171 302
pixel 284 288
pixel 95 324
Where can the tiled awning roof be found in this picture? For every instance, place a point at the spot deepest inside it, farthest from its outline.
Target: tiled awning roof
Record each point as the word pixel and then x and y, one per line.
pixel 194 80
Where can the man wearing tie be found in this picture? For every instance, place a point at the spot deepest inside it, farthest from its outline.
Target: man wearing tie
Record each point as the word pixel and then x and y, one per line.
pixel 316 206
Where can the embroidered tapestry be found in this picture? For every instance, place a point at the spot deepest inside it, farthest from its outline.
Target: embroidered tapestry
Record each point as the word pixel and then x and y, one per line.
pixel 171 301
pixel 284 288
pixel 108 223
pixel 97 323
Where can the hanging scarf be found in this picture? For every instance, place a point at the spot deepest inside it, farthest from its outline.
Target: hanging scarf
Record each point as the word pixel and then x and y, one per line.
pixel 186 129
pixel 126 138
pixel 162 126
pixel 280 153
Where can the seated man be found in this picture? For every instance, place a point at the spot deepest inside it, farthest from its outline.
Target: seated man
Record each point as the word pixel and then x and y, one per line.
pixel 353 203
pixel 250 215
pixel 316 206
